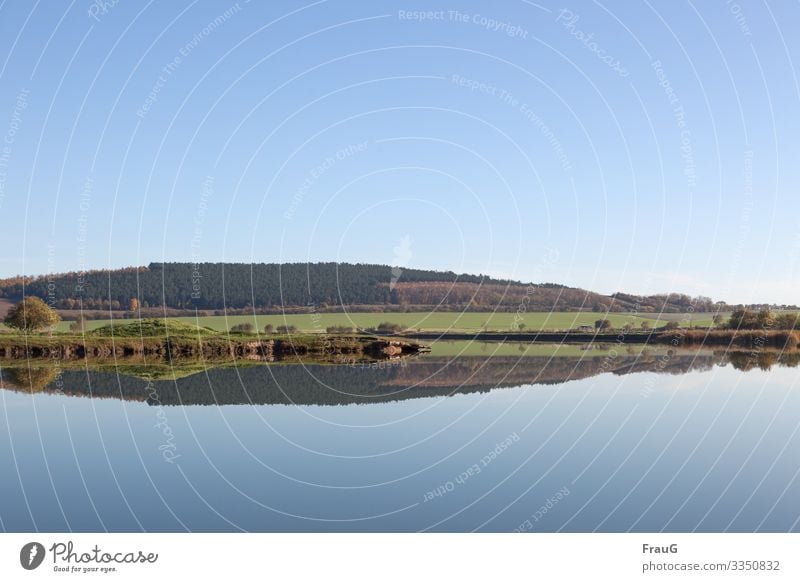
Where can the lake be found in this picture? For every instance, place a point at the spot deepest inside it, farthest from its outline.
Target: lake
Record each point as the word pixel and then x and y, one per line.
pixel 472 437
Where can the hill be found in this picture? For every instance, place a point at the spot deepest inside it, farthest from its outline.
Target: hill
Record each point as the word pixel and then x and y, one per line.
pixel 323 287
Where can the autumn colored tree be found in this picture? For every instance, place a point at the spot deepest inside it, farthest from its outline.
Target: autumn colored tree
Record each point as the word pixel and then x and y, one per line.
pixel 33 379
pixel 31 314
pixel 243 327
pixel 765 318
pixel 602 324
pixel 133 305
pixel 749 319
pixel 787 321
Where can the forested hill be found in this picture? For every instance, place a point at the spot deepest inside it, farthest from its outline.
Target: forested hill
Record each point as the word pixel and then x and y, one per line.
pixel 212 286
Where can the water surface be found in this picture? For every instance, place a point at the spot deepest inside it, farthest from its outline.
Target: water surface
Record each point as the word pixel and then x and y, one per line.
pixel 472 437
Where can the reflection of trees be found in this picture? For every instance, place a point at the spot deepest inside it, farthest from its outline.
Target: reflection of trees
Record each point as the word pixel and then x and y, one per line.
pixel 33 379
pixel 764 360
pixel 791 359
pixel 767 359
pixel 743 361
pixel 335 385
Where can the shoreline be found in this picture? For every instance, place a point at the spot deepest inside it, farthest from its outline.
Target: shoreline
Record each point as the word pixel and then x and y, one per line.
pixel 744 338
pixel 77 347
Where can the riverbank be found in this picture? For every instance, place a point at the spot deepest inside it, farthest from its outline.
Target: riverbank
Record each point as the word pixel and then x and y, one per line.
pixel 157 339
pixel 780 339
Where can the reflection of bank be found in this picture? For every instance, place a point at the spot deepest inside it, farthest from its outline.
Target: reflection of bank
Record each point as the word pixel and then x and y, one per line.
pixel 329 384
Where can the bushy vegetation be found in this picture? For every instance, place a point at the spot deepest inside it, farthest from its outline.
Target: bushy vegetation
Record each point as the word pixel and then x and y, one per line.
pixel 669 303
pixel 31 314
pixel 780 339
pixel 763 319
pixel 339 329
pixel 748 319
pixel 151 328
pixel 243 328
pixel 389 327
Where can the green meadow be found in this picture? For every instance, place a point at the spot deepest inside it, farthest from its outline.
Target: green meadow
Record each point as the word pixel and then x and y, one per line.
pixel 431 321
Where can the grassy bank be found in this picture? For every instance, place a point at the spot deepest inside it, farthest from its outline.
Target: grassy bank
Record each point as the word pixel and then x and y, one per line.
pixel 428 321
pixel 172 339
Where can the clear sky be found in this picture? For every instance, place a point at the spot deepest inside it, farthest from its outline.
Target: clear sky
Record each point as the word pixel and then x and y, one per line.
pixel 637 146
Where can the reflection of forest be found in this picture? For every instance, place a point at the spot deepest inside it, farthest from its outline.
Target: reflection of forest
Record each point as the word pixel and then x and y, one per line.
pixel 328 385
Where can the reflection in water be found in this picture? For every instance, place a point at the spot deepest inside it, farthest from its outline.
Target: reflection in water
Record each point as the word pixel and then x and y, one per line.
pixel 30 378
pixel 636 439
pixel 381 382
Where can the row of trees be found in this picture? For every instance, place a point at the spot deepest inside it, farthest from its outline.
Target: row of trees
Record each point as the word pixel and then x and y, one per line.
pixel 268 329
pixel 605 324
pixel 231 286
pixel 763 319
pixel 669 303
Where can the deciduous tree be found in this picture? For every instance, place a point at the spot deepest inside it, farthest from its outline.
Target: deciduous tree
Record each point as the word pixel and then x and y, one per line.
pixel 32 314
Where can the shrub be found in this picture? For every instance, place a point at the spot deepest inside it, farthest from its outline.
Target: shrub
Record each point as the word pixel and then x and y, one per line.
pixel 388 326
pixel 287 329
pixel 339 329
pixel 748 319
pixel 787 321
pixel 32 314
pixel 602 324
pixel 243 328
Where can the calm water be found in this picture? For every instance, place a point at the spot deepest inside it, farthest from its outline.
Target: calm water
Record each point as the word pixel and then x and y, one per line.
pixel 518 440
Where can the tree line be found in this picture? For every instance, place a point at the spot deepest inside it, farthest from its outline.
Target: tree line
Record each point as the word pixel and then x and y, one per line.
pixel 230 285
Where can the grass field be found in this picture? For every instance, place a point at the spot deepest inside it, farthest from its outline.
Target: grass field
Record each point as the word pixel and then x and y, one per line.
pixel 436 321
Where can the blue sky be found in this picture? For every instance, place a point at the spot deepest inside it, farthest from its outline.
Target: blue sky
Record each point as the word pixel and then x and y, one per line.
pixel 621 146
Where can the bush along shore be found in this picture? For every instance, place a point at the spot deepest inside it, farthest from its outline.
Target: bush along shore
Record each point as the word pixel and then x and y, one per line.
pixel 168 339
pixel 745 329
pixel 782 339
pixel 744 338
